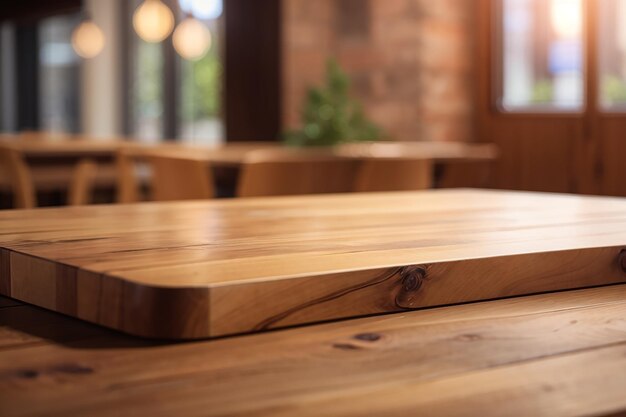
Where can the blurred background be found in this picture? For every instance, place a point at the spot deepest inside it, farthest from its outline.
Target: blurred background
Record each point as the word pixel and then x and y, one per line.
pixel 541 81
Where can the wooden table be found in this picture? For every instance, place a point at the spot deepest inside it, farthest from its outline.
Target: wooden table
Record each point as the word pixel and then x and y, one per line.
pixel 52 158
pixel 561 353
pixel 233 153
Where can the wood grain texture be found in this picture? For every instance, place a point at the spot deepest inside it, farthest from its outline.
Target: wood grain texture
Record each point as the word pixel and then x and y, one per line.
pixel 204 269
pixel 560 354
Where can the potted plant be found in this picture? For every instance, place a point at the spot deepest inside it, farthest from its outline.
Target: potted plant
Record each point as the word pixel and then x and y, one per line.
pixel 330 116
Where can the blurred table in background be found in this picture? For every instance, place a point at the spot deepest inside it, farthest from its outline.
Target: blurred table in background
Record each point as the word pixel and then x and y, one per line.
pixel 52 158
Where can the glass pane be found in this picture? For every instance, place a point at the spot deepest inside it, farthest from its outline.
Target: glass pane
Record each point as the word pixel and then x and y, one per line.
pixel 612 54
pixel 58 75
pixel 542 55
pixel 147 91
pixel 201 80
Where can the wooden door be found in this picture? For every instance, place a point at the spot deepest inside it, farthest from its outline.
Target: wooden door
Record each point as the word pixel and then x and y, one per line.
pixel 548 143
pixel 608 19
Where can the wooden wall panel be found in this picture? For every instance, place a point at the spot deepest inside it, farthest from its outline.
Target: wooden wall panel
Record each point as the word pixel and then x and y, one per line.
pixel 613 155
pixel 536 155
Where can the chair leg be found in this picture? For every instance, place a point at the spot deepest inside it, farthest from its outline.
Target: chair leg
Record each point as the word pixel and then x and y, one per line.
pixel 82 183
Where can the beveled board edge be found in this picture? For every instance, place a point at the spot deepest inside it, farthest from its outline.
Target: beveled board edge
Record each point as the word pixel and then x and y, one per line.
pixel 199 312
pixel 140 310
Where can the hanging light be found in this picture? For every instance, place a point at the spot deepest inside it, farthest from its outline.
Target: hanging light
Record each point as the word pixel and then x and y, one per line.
pixel 192 39
pixel 88 39
pixel 153 21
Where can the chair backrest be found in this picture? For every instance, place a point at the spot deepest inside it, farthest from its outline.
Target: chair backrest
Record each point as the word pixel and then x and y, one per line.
pixel 394 174
pixel 127 183
pixel 82 184
pixel 19 177
pixel 174 176
pixel 466 173
pixel 295 171
pixel 180 178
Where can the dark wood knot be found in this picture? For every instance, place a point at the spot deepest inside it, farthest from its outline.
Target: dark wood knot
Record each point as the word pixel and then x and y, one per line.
pixel 622 260
pixel 367 337
pixel 411 280
pixel 72 368
pixel 469 337
pixel 27 373
pixel 346 346
pixel 412 277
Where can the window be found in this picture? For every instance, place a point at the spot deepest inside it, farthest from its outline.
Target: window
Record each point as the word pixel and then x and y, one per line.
pixel 201 81
pixel 612 54
pixel 147 91
pixel 59 70
pixel 542 55
pixel 196 85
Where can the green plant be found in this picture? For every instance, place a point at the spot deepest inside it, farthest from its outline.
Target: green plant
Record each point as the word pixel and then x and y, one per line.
pixel 330 116
pixel 613 90
pixel 542 91
pixel 200 85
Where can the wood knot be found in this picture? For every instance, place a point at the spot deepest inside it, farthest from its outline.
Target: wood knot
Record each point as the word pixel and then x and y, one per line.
pixel 412 277
pixel 346 346
pixel 622 260
pixel 367 337
pixel 470 337
pixel 411 280
pixel 27 373
pixel 72 368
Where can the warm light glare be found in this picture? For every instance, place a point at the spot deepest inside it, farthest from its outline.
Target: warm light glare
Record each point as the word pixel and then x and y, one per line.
pixel 153 21
pixel 566 18
pixel 192 39
pixel 87 39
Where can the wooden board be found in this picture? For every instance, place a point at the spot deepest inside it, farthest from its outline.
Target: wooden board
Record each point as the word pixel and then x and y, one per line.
pixel 560 354
pixel 213 268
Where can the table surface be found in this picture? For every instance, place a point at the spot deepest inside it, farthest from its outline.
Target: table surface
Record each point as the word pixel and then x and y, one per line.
pixel 560 354
pixel 212 268
pixel 222 155
pixel 233 153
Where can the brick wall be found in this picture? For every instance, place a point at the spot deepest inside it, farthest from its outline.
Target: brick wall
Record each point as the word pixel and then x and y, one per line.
pixel 410 61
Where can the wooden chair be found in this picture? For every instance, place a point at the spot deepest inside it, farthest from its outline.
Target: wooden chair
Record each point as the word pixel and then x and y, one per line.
pixel 19 178
pixel 394 174
pixel 180 178
pixel 83 180
pixel 127 183
pixel 295 171
pixel 174 176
